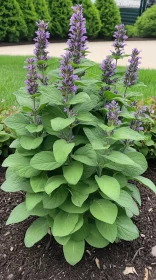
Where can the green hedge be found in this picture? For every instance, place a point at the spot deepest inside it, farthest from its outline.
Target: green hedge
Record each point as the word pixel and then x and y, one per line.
pixel 146 24
pixel 30 16
pixel 42 10
pixel 12 24
pixel 109 15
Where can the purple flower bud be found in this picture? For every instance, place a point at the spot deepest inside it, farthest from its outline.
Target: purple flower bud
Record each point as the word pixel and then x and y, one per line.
pixel 108 68
pixel 113 112
pixel 40 50
pixel 67 73
pixel 137 124
pixel 120 38
pixel 131 75
pixel 32 76
pixel 77 39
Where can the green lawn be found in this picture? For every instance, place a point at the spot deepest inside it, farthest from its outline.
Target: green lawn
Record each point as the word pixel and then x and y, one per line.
pixel 12 76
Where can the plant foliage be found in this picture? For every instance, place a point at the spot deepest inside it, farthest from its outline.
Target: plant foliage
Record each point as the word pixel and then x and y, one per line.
pixel 30 16
pixel 146 24
pixel 75 157
pixel 12 24
pixel 60 12
pixel 109 15
pixel 42 10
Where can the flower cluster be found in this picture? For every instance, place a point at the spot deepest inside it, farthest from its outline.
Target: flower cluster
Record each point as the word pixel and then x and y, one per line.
pixel 108 67
pixel 40 48
pixel 32 76
pixel 131 75
pixel 120 38
pixel 67 73
pixel 113 112
pixel 77 38
pixel 137 124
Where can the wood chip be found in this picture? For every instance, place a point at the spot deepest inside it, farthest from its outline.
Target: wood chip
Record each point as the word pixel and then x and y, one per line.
pixel 129 270
pixel 97 263
pixel 146 274
pixel 153 252
pixel 89 253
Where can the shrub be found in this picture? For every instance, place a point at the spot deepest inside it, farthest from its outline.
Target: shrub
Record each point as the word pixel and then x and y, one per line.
pixel 41 8
pixel 60 12
pixel 12 23
pixel 131 31
pixel 75 155
pixel 109 15
pixel 146 24
pixel 93 22
pixel 30 16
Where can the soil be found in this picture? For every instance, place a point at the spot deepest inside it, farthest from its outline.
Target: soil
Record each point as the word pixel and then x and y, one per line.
pixel 38 263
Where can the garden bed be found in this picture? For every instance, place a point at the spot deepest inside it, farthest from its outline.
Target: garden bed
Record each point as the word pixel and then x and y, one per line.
pixel 39 263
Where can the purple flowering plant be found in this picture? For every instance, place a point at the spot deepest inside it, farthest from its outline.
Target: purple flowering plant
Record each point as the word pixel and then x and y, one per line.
pixel 75 156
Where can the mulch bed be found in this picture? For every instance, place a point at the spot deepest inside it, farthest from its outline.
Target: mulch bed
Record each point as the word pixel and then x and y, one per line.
pixel 38 263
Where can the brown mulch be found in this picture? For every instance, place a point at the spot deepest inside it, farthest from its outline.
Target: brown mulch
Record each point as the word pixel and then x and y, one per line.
pixel 38 263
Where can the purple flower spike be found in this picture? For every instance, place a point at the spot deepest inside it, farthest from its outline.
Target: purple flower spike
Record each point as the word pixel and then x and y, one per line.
pixel 32 76
pixel 77 38
pixel 131 75
pixel 137 124
pixel 120 38
pixel 67 73
pixel 108 68
pixel 113 113
pixel 41 45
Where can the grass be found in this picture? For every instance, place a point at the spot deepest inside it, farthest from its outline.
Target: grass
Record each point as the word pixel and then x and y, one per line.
pixel 12 76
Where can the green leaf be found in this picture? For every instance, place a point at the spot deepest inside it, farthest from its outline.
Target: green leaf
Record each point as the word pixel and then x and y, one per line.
pixel 79 224
pixel 30 142
pixel 55 199
pixel 53 183
pixel 121 179
pixel 139 167
pixel 61 150
pixel 18 214
pixel 78 194
pixel 96 138
pixel 51 95
pixel 81 97
pixel 60 123
pixel 92 186
pixel 32 128
pixel 17 122
pixel 64 223
pixel 23 98
pixel 126 229
pixel 108 231
pixel 82 233
pixel 109 186
pixel 95 239
pixel 21 165
pixel 73 172
pixel 63 239
pixel 135 192
pixel 146 182
pixel 73 251
pixel 48 114
pixel 119 158
pixel 36 232
pixel 86 155
pixel 45 161
pixel 104 210
pixel 69 207
pixel 38 182
pixel 86 118
pixel 15 183
pixel 32 199
pixel 4 136
pixel 39 210
pixel 125 200
pixel 124 133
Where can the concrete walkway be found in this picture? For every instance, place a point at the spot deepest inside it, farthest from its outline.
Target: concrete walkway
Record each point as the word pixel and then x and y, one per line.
pixel 98 51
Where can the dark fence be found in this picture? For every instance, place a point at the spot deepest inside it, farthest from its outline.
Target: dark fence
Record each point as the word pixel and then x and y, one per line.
pixel 129 15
